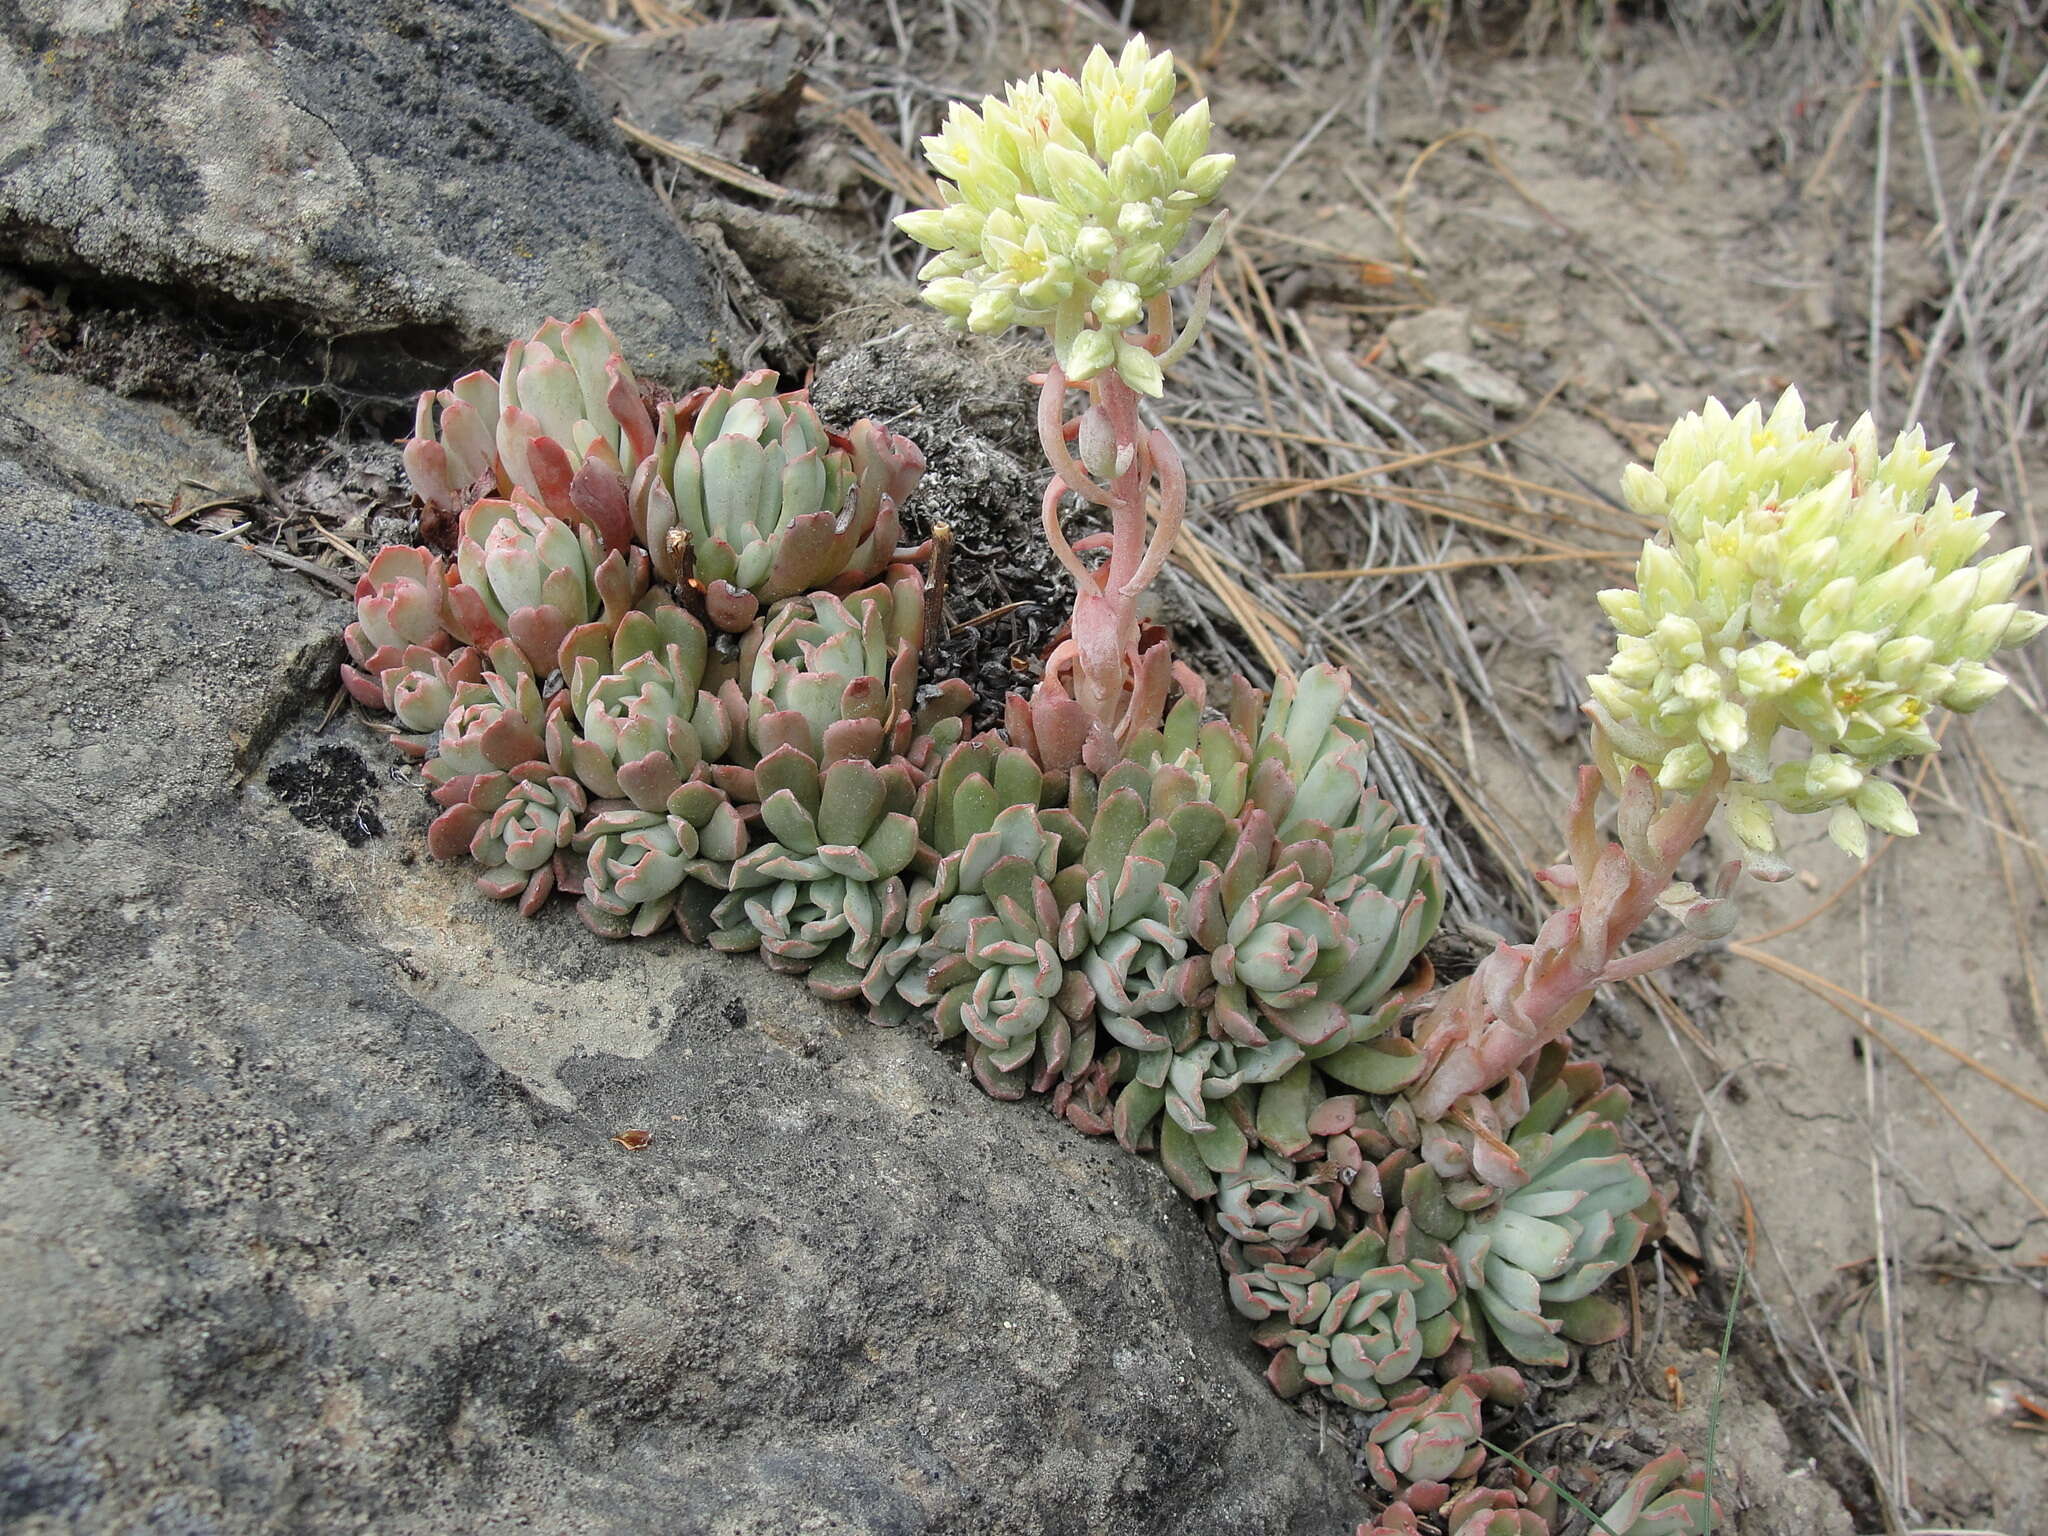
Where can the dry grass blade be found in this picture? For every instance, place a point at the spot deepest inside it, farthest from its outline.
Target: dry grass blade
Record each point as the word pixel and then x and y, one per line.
pixel 1835 993
pixel 1286 490
pixel 718 168
pixel 1464 563
pixel 893 168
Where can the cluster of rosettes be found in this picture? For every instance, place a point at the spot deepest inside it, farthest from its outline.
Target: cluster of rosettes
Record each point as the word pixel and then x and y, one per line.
pixel 1666 1496
pixel 680 682
pixel 741 494
pixel 1807 582
pixel 1063 206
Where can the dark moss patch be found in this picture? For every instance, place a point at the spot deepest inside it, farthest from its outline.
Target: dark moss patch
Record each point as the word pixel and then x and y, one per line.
pixel 333 790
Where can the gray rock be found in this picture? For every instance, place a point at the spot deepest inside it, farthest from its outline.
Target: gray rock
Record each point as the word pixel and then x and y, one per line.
pixel 1414 337
pixel 354 165
pixel 1476 380
pixel 123 451
pixel 732 87
pixel 311 1215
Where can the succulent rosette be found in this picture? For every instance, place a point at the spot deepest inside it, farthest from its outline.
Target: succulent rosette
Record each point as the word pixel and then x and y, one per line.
pixel 1349 1320
pixel 519 827
pixel 643 869
pixel 1324 902
pixel 827 891
pixel 527 575
pixel 1525 1509
pixel 1000 952
pixel 398 609
pixel 1148 834
pixel 1062 206
pixel 837 677
pixel 1268 1203
pixel 971 784
pixel 1530 1261
pixel 1804 582
pixel 640 720
pixel 1667 1496
pixel 1430 1438
pixel 1213 752
pixel 751 496
pixel 493 726
pixel 565 422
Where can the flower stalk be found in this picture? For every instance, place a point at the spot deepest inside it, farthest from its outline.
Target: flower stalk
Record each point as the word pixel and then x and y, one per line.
pixel 1062 206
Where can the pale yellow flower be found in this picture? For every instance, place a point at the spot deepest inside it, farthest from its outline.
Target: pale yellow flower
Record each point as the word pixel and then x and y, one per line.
pixel 1063 204
pixel 1805 582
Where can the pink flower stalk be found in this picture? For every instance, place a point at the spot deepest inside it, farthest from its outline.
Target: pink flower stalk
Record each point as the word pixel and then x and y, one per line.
pixel 1523 996
pixel 1103 685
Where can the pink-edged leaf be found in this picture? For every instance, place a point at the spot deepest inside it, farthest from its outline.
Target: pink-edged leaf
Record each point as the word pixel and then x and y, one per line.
pixel 597 492
pixel 449 835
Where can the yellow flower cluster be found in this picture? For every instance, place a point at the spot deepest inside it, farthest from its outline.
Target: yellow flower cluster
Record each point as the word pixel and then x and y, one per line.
pixel 1807 582
pixel 1063 205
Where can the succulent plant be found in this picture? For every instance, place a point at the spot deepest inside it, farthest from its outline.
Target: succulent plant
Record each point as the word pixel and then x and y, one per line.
pixel 519 826
pixel 970 785
pixel 1348 1320
pixel 493 726
pixel 525 574
pixel 401 650
pixel 1062 206
pixel 1529 1262
pixel 1293 958
pixel 398 609
pixel 1525 1509
pixel 643 869
pixel 1473 1159
pixel 1397 1519
pixel 748 493
pixel 824 895
pixel 1148 833
pixel 837 677
pixel 452 456
pixel 639 720
pixel 1268 1203
pixel 564 422
pixel 1430 1437
pixel 1000 952
pixel 419 687
pixel 1212 751
pixel 1666 1497
pixel 1808 582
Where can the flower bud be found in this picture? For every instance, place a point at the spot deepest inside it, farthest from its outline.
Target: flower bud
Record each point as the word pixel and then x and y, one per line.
pixel 927 226
pixel 1139 369
pixel 1678 638
pixel 1975 685
pixel 1724 727
pixel 1884 807
pixel 1830 776
pixel 1118 306
pixel 1080 185
pixel 1188 139
pixel 1091 352
pixel 1624 609
pixel 1685 769
pixel 992 310
pixel 1845 830
pixel 1206 176
pixel 1661 574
